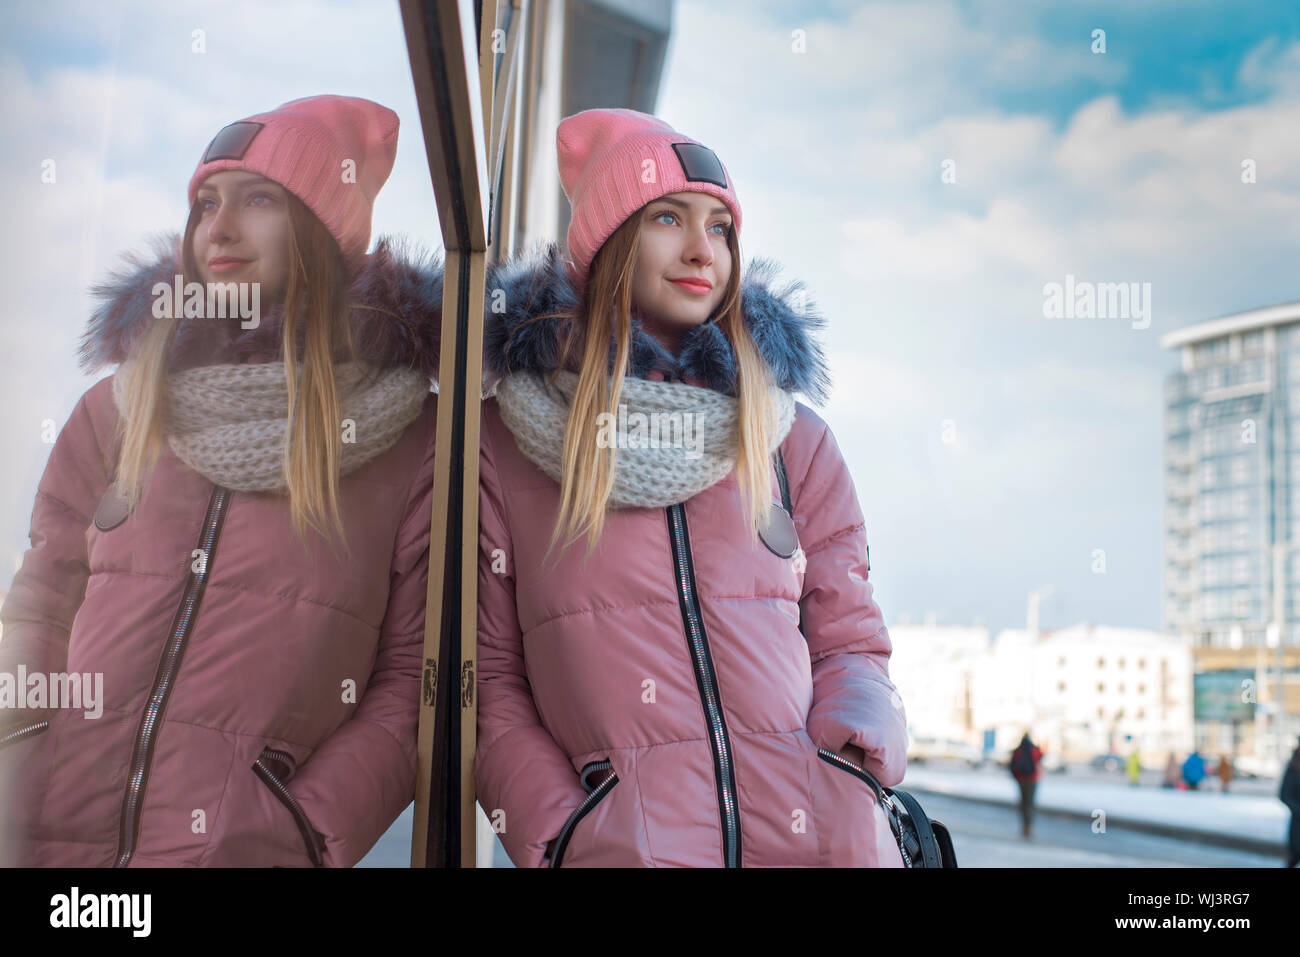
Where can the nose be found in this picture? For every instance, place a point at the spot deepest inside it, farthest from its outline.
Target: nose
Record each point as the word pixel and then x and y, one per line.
pixel 699 250
pixel 223 227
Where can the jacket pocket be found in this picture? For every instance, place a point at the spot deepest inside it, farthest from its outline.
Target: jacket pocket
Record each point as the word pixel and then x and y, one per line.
pixel 276 768
pixel 23 730
pixel 885 801
pixel 596 771
pixel 862 774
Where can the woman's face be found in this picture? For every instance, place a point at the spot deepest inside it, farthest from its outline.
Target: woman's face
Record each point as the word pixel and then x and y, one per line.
pixel 243 232
pixel 683 237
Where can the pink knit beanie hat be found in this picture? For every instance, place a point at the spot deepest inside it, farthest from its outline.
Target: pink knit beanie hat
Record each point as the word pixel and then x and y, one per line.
pixel 613 162
pixel 332 152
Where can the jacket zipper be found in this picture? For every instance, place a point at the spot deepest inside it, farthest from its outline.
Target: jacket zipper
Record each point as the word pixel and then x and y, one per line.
pixel 25 730
pixel 885 799
pixel 708 684
pixel 591 800
pixel 858 772
pixel 288 800
pixel 142 754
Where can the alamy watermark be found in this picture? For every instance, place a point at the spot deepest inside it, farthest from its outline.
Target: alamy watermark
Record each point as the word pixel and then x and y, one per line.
pixel 653 430
pixel 219 300
pixel 1098 300
pixel 59 689
pixel 75 909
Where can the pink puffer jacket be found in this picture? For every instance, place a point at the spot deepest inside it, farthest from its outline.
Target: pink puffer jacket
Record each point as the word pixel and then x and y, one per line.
pixel 674 658
pixel 259 708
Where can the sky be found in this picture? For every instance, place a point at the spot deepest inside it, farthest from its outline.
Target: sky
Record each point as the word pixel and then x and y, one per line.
pixel 925 169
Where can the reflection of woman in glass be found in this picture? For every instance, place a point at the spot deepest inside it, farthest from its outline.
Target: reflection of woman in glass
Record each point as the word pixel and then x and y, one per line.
pixel 657 705
pixel 251 589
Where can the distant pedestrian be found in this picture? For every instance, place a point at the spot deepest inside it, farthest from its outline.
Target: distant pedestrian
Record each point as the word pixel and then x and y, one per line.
pixel 1025 763
pixel 1290 796
pixel 1194 770
pixel 1173 774
pixel 1134 767
pixel 1225 772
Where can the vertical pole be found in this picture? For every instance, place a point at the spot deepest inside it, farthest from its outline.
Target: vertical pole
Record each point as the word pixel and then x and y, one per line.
pixel 442 43
pixel 1279 635
pixel 466 116
pixel 1276 498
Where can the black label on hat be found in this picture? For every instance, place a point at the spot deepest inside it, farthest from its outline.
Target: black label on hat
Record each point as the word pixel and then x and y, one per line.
pixel 700 164
pixel 232 142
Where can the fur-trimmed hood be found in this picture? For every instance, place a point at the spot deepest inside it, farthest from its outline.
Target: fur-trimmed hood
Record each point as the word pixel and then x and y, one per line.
pixel 525 337
pixel 395 311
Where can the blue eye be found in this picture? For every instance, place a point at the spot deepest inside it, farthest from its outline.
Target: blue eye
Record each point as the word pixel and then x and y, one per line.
pixel 265 196
pixel 726 227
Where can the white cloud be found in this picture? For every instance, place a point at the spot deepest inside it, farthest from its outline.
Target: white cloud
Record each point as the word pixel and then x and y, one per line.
pixel 958 246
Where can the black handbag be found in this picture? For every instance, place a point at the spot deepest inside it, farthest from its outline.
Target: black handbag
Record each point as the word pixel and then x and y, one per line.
pixel 922 841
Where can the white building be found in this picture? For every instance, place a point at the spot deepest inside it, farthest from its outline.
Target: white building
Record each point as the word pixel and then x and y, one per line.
pixel 1080 691
pixel 1083 690
pixel 932 667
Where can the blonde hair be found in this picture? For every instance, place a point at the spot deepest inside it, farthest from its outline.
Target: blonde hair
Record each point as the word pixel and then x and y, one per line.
pixel 605 314
pixel 315 302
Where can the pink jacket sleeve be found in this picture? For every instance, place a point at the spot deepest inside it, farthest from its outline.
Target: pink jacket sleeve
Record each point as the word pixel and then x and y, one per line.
pixel 361 778
pixel 48 589
pixel 854 702
pixel 526 784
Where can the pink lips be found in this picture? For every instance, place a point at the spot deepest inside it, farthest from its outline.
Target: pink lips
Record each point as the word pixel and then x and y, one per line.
pixel 225 263
pixel 698 286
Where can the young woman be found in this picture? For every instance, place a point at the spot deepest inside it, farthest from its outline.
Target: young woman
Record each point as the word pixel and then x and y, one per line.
pixel 249 582
pixel 650 699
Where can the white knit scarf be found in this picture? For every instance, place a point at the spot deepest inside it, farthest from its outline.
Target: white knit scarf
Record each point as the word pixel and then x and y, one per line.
pixel 685 443
pixel 228 422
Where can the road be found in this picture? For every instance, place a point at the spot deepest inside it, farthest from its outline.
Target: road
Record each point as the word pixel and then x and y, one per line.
pixel 983 835
pixel 988 836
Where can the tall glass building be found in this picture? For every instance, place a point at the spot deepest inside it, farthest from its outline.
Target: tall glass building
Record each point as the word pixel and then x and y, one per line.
pixel 1232 527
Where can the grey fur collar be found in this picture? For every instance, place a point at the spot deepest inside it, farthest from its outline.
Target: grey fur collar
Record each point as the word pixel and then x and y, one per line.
pixel 536 285
pixel 396 318
pixel 395 313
